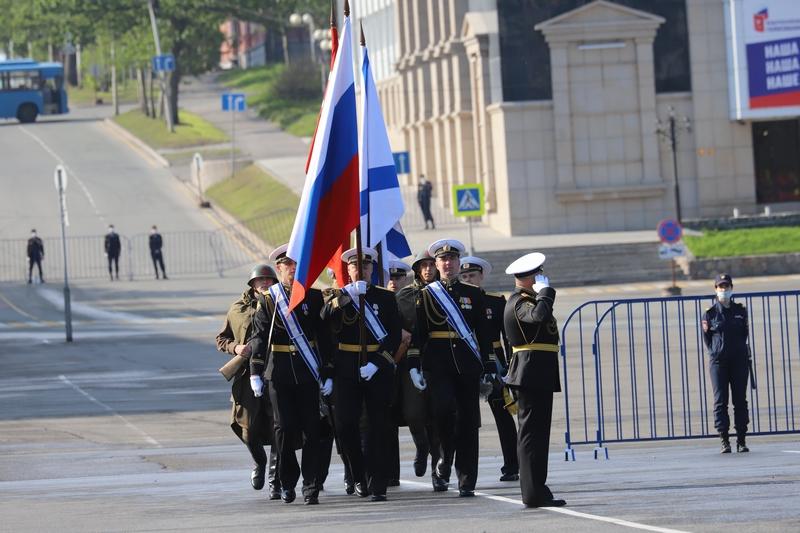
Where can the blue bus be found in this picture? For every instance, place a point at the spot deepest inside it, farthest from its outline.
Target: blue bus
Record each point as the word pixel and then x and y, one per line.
pixel 29 89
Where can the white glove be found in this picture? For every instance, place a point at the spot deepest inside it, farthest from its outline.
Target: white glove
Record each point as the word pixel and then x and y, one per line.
pixel 542 281
pixel 417 379
pixel 327 387
pixel 359 287
pixel 368 370
pixel 257 385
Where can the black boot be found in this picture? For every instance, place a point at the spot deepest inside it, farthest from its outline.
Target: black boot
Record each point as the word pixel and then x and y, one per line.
pixel 726 443
pixel 272 475
pixel 421 457
pixel 741 447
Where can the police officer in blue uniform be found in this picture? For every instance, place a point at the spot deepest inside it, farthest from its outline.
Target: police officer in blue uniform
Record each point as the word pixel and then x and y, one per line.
pixel 725 334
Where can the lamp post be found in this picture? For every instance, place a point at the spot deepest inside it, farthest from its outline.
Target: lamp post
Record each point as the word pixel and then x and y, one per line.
pixel 668 130
pixel 325 46
pixel 295 19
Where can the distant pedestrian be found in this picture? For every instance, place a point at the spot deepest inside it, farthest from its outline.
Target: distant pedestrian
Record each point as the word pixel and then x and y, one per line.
pixel 424 193
pixel 113 248
pixel 156 243
pixel 725 334
pixel 35 255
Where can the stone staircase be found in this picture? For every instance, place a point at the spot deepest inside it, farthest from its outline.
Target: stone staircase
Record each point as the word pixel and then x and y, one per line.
pixel 571 266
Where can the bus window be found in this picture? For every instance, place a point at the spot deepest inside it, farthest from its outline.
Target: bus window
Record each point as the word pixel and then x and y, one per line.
pixel 22 81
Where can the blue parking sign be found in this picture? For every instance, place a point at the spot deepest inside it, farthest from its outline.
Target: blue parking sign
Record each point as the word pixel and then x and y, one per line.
pixel 164 62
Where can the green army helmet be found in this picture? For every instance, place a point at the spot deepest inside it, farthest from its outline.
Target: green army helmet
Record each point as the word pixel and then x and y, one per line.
pixel 262 271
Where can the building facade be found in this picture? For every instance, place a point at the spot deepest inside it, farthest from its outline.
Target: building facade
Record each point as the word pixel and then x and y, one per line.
pixel 561 109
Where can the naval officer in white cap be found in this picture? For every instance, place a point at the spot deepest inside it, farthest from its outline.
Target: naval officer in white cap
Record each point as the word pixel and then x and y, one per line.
pixel 456 350
pixel 533 373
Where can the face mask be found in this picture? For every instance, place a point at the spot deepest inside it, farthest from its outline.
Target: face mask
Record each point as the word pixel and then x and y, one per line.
pixel 724 296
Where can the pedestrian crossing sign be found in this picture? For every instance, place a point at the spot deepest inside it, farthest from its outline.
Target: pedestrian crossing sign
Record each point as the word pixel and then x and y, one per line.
pixel 468 200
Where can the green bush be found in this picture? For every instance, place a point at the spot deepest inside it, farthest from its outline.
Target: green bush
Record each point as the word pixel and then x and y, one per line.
pixel 299 81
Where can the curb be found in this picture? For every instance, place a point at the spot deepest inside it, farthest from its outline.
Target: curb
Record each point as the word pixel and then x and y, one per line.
pixel 136 143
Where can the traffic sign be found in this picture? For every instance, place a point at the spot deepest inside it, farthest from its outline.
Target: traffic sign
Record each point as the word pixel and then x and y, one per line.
pixel 234 102
pixel 164 62
pixel 402 162
pixel 60 178
pixel 671 251
pixel 669 231
pixel 468 200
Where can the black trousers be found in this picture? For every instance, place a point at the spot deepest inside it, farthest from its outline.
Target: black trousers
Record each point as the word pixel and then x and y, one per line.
pixel 411 407
pixel 375 396
pixel 158 260
pixel 535 412
pixel 296 410
pixel 456 418
pixel 38 263
pixel 733 374
pixel 115 260
pixel 506 430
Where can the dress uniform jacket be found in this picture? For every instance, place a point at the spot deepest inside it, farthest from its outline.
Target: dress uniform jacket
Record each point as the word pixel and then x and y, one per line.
pixel 495 308
pixel 344 328
pixel 530 325
pixel 441 349
pixel 725 332
pixel 284 364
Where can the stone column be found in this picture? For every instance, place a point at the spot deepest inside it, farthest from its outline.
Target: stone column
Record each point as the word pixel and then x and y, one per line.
pixel 647 110
pixel 562 114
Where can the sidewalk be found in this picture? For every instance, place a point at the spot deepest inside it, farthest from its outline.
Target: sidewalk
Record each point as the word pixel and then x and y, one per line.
pixel 284 156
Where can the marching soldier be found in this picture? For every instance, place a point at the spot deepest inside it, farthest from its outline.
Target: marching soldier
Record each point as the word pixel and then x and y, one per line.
pixel 398 276
pixel 251 417
pixel 415 399
pixel 366 382
pixel 288 349
pixel 474 270
pixel 452 332
pixel 533 373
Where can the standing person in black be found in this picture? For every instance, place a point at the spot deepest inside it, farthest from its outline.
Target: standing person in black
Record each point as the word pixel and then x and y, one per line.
pixel 363 383
pixel 533 373
pixel 289 351
pixel 725 334
pixel 424 193
pixel 156 243
pixel 416 398
pixel 35 255
pixel 474 270
pixel 113 247
pixel 455 349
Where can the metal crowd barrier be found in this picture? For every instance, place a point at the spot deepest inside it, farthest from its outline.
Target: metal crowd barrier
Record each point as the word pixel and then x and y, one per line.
pixel 184 252
pixel 637 369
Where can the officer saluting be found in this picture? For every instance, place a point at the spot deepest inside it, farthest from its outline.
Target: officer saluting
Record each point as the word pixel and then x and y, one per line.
pixel 452 332
pixel 474 270
pixel 533 373
pixel 292 347
pixel 363 383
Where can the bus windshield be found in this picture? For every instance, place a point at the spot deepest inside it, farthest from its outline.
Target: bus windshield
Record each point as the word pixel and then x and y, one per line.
pixel 29 89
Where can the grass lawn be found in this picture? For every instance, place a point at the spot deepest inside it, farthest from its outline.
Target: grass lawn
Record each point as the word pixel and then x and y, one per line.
pixel 750 241
pixel 266 206
pixel 184 157
pixel 86 96
pixel 296 116
pixel 192 131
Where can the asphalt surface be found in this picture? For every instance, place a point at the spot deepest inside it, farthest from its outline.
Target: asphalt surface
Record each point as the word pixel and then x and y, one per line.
pixel 126 428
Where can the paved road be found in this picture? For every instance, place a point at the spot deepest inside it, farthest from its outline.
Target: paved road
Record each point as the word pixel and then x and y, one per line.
pixel 127 427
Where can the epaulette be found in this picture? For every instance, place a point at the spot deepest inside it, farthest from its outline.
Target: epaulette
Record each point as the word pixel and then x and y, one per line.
pixel 495 294
pixel 469 284
pixel 330 291
pixel 382 288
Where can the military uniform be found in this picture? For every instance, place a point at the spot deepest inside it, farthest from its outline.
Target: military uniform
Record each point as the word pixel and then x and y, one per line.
pixel 725 334
pixel 533 374
pixel 251 417
pixel 351 392
pixel 454 378
pixel 506 428
pixel 293 389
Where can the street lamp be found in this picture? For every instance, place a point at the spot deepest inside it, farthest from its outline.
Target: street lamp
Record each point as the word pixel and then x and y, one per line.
pixel 295 19
pixel 668 130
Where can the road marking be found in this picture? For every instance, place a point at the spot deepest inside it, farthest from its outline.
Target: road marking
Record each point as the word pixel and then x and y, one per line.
pixel 791 451
pixel 92 399
pixel 15 308
pixel 562 510
pixel 53 297
pixel 71 172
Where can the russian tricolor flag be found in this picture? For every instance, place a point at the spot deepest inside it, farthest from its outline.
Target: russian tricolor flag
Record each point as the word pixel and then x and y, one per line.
pixel 329 206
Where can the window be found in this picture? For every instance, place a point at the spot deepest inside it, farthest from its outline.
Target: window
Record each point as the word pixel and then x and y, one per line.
pixel 776 151
pixel 20 80
pixel 525 55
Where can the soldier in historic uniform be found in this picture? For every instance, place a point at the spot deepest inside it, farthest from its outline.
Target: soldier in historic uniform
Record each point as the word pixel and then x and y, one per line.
pixel 533 372
pixel 289 350
pixel 416 401
pixel 474 270
pixel 363 380
pixel 452 333
pixel 251 417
